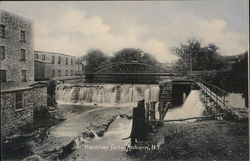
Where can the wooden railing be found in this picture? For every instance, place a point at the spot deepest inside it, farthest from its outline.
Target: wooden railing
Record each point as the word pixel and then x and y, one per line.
pixel 215 93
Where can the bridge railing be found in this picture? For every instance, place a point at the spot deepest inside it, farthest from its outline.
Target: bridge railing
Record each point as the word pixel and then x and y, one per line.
pixel 213 88
pixel 215 93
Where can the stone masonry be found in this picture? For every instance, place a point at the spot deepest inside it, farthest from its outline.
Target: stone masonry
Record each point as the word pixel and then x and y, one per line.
pixel 12 118
pixel 13 44
pixel 20 95
pixel 165 98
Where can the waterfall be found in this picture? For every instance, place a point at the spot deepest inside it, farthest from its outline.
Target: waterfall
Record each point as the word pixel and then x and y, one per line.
pixel 192 107
pixel 106 94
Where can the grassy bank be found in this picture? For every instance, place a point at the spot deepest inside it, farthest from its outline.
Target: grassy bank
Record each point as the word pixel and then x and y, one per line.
pixel 203 140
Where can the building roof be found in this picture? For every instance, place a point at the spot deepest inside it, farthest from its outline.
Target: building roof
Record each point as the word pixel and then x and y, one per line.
pixel 47 52
pixel 16 86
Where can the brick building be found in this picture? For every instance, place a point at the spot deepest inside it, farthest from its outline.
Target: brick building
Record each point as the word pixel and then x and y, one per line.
pixel 49 65
pixel 20 95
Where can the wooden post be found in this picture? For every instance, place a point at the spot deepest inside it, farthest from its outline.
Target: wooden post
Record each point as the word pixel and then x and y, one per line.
pixel 147 113
pixel 132 134
pixel 210 91
pixel 152 106
pixel 138 131
pixel 167 106
pixel 216 98
pixel 224 100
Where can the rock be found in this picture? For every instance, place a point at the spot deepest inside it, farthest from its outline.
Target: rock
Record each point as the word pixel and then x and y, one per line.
pixel 88 134
pixel 69 147
pixel 237 114
pixel 33 158
pixel 59 117
pixel 101 130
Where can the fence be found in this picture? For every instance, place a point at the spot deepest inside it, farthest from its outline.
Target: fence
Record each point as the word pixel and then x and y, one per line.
pixel 216 94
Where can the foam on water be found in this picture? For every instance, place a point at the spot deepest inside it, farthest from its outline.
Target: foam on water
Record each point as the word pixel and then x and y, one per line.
pixel 106 94
pixel 192 107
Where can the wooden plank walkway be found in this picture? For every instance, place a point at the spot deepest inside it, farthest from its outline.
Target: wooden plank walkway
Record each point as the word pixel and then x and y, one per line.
pixel 235 112
pixel 219 100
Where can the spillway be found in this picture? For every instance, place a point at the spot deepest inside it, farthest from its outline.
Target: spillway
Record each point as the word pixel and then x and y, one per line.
pixel 106 94
pixel 192 107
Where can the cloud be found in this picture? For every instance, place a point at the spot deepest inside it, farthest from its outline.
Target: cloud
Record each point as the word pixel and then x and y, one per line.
pixel 160 50
pixel 76 21
pixel 208 31
pixel 75 32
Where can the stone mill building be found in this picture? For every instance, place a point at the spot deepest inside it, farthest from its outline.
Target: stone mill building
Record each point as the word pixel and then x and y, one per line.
pixel 20 95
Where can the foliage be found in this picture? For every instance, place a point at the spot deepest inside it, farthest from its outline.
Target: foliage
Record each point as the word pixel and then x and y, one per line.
pixel 240 74
pixel 94 58
pixel 192 56
pixel 133 55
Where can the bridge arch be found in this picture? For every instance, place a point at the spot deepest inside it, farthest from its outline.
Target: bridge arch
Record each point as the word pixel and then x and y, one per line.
pixel 131 68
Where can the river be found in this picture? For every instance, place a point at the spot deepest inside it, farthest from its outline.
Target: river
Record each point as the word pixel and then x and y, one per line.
pixel 79 117
pixel 85 105
pixel 95 104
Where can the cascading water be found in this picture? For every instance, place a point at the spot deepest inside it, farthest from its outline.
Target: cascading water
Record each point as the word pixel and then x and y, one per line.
pixel 192 107
pixel 108 94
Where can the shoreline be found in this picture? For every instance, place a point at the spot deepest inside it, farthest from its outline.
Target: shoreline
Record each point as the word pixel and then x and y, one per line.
pixel 200 140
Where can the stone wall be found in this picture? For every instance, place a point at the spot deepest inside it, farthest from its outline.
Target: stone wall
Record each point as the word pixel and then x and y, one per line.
pixel 12 118
pixel 12 42
pixel 165 98
pixel 40 97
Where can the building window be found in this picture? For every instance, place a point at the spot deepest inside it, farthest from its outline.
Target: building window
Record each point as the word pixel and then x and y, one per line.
pixel 23 36
pixel 19 100
pixel 71 61
pixel 59 60
pixel 43 57
pixel 66 61
pixel 66 73
pixel 71 73
pixel 3 75
pixel 53 59
pixel 52 73
pixel 59 73
pixel 2 52
pixel 22 55
pixel 2 31
pixel 23 76
pixel 36 56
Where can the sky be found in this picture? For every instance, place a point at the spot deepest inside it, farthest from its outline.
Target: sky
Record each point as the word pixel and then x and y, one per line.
pixel 156 27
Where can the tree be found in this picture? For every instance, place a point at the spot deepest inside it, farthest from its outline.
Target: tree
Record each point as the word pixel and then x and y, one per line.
pixel 131 55
pixel 193 57
pixel 94 58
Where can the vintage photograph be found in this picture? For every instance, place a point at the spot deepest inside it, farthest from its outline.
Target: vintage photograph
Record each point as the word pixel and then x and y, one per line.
pixel 124 80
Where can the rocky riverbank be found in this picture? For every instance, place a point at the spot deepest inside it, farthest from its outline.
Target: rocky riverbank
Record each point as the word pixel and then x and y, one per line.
pixel 83 125
pixel 17 146
pixel 92 131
